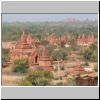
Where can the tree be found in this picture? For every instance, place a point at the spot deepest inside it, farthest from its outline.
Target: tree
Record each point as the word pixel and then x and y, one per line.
pixel 42 27
pixel 50 49
pixel 21 65
pixel 58 55
pixel 62 44
pixel 93 46
pixel 87 54
pixel 39 77
pixel 44 42
pixel 38 36
pixel 73 42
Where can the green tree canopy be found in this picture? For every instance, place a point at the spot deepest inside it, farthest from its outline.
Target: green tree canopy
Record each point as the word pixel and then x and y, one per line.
pixel 93 46
pixel 89 54
pixel 21 65
pixel 60 54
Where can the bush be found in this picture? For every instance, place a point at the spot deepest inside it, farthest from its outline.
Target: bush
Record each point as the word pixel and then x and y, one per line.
pixel 85 64
pixel 21 65
pixel 89 55
pixel 39 77
pixel 71 80
pixel 56 78
pixel 93 47
pixel 59 84
pixel 5 57
pixel 96 68
pixel 61 67
pixel 61 78
pixel 66 74
pixel 94 57
pixel 24 83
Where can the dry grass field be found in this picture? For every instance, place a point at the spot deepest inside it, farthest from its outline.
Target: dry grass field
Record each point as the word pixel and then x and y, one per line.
pixel 9 78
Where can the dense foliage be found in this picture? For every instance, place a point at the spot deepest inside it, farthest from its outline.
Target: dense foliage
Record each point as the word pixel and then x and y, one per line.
pixel 89 54
pixel 37 78
pixel 11 31
pixel 21 65
pixel 60 54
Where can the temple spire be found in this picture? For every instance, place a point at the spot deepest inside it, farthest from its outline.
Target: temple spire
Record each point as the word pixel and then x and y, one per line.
pixel 23 37
pixel 44 52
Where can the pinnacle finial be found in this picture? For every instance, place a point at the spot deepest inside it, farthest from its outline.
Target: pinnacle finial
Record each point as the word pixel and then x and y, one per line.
pixel 23 32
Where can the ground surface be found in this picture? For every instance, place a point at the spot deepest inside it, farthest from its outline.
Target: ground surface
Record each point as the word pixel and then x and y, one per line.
pixel 10 78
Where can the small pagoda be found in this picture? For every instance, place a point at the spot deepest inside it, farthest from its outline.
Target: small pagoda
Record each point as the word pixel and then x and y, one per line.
pixel 44 60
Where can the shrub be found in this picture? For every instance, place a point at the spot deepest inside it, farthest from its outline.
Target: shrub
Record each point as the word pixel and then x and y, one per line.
pixel 66 74
pixel 21 65
pixel 24 83
pixel 56 78
pixel 71 80
pixel 5 57
pixel 85 64
pixel 89 55
pixel 96 68
pixel 93 47
pixel 39 77
pixel 94 57
pixel 61 78
pixel 62 67
pixel 59 84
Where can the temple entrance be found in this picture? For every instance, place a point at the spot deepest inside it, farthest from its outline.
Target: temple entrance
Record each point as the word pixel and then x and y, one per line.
pixel 36 59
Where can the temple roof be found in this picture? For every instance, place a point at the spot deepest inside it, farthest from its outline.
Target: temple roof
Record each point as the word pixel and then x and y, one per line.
pixel 78 69
pixel 44 52
pixel 23 37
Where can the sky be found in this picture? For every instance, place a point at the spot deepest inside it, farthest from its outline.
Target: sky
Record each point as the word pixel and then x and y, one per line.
pixel 45 17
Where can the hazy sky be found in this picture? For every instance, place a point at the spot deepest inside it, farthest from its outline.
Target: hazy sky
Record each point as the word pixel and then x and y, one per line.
pixel 45 17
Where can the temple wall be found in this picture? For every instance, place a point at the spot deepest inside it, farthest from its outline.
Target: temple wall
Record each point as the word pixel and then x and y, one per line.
pixel 45 63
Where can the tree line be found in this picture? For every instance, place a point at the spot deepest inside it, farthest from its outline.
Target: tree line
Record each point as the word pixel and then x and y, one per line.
pixel 11 31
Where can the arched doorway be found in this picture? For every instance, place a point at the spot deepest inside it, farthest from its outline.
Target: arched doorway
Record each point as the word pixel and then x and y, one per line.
pixel 36 60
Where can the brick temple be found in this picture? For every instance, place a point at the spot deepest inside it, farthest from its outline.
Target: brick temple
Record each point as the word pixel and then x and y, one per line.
pixel 83 40
pixel 54 40
pixel 25 48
